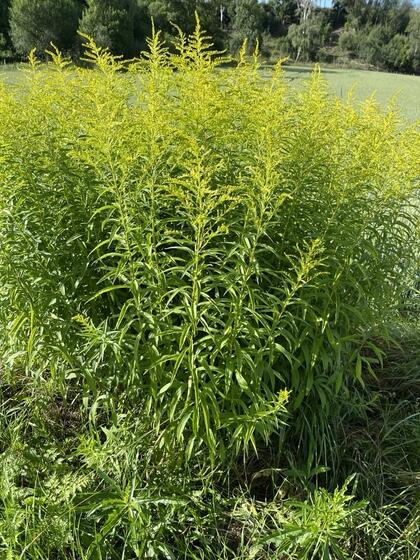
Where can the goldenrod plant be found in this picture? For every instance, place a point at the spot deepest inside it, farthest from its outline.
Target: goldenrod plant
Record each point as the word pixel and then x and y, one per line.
pixel 196 262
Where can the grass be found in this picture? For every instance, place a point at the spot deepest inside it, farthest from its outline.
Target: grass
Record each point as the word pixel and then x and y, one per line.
pixel 9 73
pixel 364 83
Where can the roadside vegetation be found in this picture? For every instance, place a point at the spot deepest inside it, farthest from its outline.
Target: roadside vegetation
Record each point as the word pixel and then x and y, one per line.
pixel 209 314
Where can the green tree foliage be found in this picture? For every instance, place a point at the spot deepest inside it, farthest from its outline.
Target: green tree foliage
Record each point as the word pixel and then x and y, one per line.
pixel 119 25
pixel 37 23
pixel 397 15
pixel 396 54
pixel 278 15
pixel 362 29
pixel 361 13
pixel 378 32
pixel 371 44
pixel 4 18
pixel 167 13
pixel 307 38
pixel 413 30
pixel 348 43
pixel 246 23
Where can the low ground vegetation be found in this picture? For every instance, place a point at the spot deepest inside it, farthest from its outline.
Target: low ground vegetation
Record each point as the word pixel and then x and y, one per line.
pixel 209 342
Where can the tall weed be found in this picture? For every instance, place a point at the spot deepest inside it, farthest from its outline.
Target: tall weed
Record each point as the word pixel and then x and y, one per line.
pixel 199 240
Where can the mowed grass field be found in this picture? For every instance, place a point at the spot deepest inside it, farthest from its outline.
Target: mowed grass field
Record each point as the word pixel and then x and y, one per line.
pixel 385 86
pixel 364 83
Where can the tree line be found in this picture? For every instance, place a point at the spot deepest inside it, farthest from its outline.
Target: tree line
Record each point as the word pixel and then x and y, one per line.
pixel 378 33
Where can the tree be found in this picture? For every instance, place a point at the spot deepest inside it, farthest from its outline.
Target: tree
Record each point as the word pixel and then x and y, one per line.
pixel 304 9
pixel 338 14
pixel 396 54
pixel 279 15
pixel 115 24
pixel 4 17
pixel 246 18
pixel 307 38
pixel 372 42
pixel 212 14
pixel 360 13
pixel 178 12
pixel 397 16
pixel 5 41
pixel 37 23
pixel 214 18
pixel 349 43
pixel 413 30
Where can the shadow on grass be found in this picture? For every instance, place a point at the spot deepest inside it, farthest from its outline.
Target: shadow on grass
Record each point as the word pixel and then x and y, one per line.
pixel 308 70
